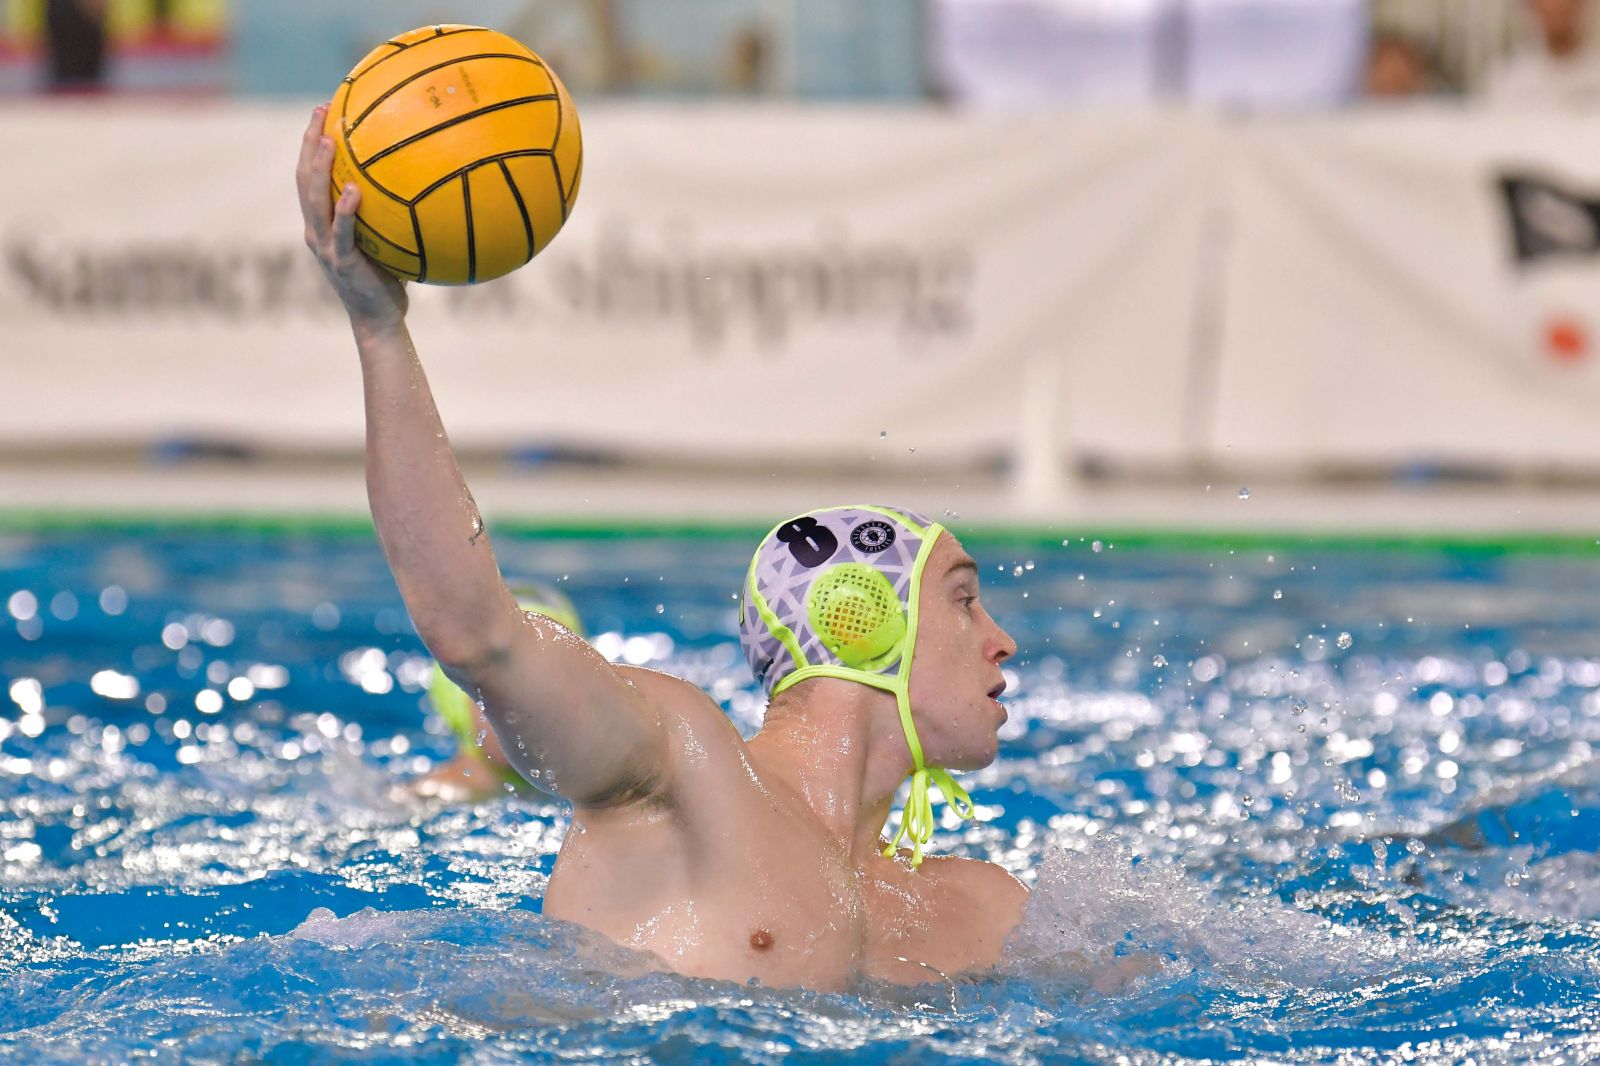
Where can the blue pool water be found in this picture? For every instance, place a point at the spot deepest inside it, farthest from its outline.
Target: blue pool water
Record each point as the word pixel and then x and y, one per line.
pixel 1346 797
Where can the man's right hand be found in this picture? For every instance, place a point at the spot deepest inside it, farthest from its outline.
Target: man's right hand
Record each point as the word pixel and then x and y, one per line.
pixel 374 297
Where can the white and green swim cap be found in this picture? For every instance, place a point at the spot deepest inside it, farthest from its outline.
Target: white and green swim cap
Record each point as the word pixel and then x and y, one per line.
pixel 834 593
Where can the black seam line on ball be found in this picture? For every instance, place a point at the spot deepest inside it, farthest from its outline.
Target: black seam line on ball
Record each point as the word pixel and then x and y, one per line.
pixel 516 194
pixel 458 120
pixel 397 86
pixel 474 165
pixel 422 250
pixel 401 49
pixel 472 234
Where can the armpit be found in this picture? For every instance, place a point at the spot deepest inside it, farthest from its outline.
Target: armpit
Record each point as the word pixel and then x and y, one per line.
pixel 644 787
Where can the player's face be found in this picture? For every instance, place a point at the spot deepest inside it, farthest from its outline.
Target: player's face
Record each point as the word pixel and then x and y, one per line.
pixel 955 672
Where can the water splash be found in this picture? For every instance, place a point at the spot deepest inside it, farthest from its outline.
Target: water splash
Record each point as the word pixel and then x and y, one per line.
pixel 1105 917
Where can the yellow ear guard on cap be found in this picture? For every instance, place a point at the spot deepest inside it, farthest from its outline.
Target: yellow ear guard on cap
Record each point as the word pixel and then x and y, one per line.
pixel 855 611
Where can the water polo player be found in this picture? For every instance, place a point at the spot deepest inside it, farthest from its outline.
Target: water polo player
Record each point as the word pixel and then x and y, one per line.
pixel 479 769
pixel 726 858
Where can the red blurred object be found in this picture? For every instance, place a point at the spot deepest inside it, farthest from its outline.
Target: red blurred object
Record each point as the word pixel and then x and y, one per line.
pixel 1566 340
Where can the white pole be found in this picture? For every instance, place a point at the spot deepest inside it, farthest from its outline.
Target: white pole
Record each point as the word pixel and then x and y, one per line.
pixel 1042 487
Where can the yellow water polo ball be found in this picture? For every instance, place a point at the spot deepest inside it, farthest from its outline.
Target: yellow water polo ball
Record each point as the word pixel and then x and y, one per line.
pixel 466 148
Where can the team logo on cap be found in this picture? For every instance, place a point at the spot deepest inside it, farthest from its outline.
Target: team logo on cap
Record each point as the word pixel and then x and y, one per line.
pixel 872 537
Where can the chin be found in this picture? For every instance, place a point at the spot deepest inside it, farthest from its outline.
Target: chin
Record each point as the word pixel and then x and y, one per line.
pixel 975 759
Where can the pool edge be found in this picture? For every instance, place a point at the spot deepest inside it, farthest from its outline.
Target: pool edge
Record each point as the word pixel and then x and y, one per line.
pixel 1021 534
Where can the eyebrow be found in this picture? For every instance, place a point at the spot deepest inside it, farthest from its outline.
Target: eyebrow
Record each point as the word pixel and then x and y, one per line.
pixel 962 564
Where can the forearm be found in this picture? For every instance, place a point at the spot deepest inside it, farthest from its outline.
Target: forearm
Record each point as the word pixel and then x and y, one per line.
pixel 427 522
pixel 562 712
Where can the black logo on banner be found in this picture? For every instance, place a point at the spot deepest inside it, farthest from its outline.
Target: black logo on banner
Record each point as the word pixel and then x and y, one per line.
pixel 1548 219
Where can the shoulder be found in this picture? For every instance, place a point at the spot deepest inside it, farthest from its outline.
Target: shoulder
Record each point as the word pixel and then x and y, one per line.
pixel 976 880
pixel 699 733
pixel 676 698
pixel 979 905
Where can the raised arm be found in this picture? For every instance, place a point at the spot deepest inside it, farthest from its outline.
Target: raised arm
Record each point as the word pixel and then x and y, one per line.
pixel 568 721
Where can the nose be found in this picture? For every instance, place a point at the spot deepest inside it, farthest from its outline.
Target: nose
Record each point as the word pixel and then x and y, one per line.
pixel 1001 646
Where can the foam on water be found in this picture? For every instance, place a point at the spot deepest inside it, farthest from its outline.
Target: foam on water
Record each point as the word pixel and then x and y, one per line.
pixel 1104 914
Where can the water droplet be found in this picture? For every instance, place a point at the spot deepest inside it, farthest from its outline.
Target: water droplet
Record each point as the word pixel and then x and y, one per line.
pixel 1344 641
pixel 661 608
pixel 481 734
pixel 1097 546
pixel 1247 799
pixel 1277 594
pixel 882 433
pixel 1299 706
pixel 1244 494
pixel 1159 661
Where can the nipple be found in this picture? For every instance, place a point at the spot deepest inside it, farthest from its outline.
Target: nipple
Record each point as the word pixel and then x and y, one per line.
pixel 761 940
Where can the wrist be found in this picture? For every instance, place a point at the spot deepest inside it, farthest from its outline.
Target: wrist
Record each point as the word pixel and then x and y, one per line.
pixel 377 327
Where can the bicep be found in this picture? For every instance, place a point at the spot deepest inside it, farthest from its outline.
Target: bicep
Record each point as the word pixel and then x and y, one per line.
pixel 567 719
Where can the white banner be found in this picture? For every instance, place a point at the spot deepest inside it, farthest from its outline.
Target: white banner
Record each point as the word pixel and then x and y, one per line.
pixel 754 283
pixel 845 285
pixel 1377 309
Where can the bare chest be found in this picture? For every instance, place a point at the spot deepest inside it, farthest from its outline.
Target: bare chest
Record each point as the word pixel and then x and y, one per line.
pixel 784 908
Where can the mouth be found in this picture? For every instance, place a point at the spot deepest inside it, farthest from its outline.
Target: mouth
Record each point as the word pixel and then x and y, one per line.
pixel 994 697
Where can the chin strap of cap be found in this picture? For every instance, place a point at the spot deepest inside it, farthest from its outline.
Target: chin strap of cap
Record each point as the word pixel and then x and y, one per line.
pixel 916 821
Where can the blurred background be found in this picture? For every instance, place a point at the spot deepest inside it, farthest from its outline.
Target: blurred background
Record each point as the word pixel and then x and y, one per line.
pixel 1249 53
pixel 1305 263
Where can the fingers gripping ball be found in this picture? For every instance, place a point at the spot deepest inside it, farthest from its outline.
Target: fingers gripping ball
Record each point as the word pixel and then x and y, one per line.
pixel 466 149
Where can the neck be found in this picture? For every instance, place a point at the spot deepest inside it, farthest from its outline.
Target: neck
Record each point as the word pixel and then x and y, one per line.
pixel 827 741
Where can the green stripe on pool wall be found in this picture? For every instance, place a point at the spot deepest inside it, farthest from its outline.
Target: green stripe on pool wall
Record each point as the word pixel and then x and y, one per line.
pixel 983 536
pixel 1520 543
